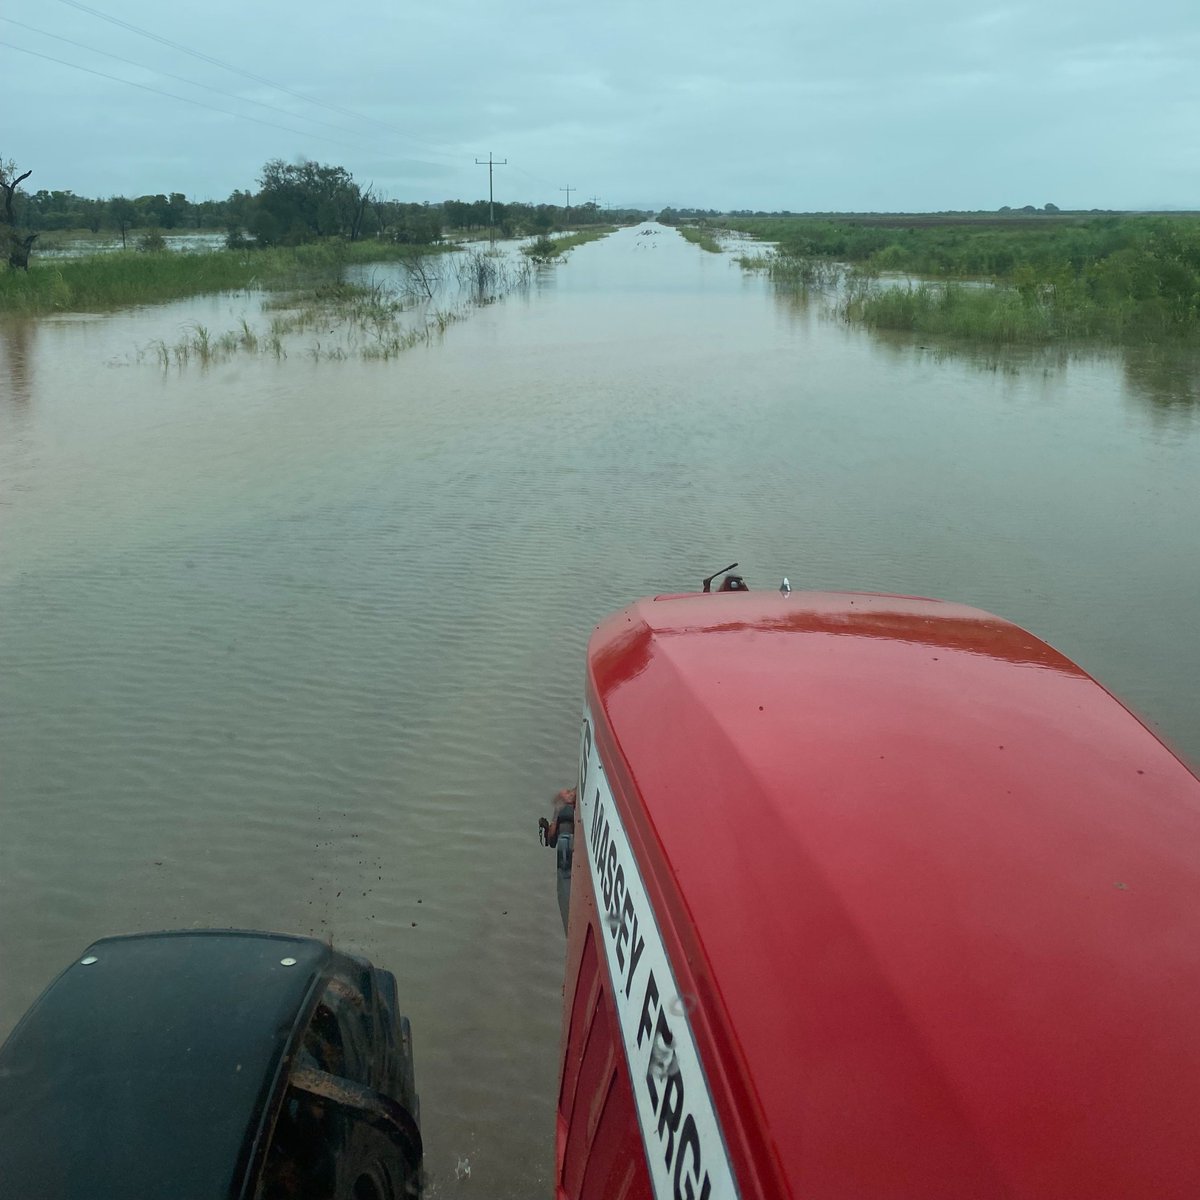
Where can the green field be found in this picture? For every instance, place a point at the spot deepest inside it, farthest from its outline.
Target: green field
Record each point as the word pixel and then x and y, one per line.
pixel 1054 277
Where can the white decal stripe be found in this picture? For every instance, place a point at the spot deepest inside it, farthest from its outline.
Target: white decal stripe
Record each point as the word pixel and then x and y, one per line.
pixel 685 1150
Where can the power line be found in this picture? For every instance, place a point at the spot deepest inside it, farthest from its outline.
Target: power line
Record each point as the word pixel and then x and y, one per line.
pixel 95 12
pixel 145 87
pixel 535 178
pixel 568 190
pixel 208 58
pixel 178 78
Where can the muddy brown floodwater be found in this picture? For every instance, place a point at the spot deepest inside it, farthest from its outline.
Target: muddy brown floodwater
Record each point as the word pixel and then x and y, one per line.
pixel 298 644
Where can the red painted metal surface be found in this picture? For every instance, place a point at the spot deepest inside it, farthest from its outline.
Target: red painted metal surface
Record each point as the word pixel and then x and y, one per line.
pixel 933 894
pixel 599 1148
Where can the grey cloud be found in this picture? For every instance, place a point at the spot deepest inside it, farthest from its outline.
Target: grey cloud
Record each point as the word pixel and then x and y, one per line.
pixel 854 104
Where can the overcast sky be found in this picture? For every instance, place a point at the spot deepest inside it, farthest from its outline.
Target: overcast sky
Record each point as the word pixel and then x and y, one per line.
pixel 797 104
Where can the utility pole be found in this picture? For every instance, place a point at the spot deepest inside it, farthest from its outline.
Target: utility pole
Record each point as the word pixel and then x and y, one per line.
pixel 568 190
pixel 491 162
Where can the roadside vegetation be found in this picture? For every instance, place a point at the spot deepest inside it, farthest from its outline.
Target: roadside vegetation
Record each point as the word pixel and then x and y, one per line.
pixel 295 203
pixel 550 249
pixel 700 236
pixel 1063 277
pixel 334 320
pixel 118 280
pixel 352 321
pixel 305 224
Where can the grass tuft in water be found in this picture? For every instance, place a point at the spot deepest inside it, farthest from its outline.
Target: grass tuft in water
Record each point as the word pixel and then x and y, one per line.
pixel 486 276
pixel 795 271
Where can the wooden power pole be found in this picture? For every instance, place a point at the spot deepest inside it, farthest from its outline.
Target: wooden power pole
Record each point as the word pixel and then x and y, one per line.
pixel 490 163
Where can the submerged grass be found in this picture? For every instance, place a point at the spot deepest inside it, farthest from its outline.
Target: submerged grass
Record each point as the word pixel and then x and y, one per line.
pixel 796 271
pixel 123 278
pixel 486 275
pixel 366 321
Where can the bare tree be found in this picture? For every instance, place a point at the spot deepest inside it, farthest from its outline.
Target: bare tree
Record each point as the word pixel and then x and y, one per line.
pixel 18 246
pixel 423 274
pixel 380 207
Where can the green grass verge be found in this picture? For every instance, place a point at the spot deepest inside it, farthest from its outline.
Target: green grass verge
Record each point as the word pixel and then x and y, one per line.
pixel 121 279
pixel 546 249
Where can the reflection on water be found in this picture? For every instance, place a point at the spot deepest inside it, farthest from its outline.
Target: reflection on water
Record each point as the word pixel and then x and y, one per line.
pixel 1008 360
pixel 17 337
pixel 298 643
pixel 1166 378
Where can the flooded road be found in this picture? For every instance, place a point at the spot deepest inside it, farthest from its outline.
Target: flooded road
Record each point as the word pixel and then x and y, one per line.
pixel 299 645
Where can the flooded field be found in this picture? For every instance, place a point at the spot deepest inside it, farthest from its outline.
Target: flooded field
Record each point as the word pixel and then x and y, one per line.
pixel 296 642
pixel 53 245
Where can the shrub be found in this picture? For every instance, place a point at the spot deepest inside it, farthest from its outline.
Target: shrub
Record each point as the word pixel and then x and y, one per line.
pixel 152 242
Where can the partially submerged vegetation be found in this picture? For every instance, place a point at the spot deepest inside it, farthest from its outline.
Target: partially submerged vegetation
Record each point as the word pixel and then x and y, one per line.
pixel 700 236
pixel 550 249
pixel 107 281
pixel 296 202
pixel 998 315
pixel 795 271
pixel 353 320
pixel 1028 275
pixel 307 220
pixel 486 275
pixel 1130 278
